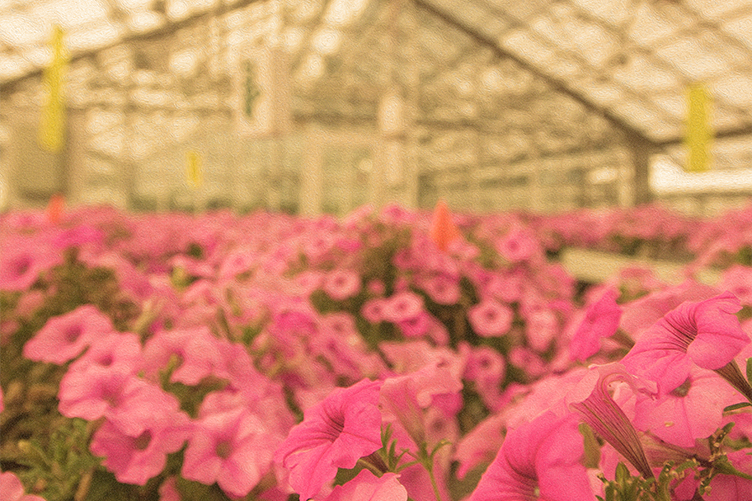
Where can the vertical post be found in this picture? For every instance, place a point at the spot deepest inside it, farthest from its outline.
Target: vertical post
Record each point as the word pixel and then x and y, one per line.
pixel 391 118
pixel 625 179
pixel 412 98
pixel 310 176
pixel 641 151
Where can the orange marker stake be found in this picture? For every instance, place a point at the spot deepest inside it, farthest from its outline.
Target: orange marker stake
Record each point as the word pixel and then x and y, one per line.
pixel 55 208
pixel 443 230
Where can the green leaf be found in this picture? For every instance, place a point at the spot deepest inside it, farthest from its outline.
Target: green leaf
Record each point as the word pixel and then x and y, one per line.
pixel 749 370
pixel 723 465
pixel 736 406
pixel 104 487
pixel 622 475
pixel 592 449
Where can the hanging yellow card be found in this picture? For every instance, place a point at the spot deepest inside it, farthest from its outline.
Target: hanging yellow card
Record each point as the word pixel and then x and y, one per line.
pixel 52 124
pixel 699 132
pixel 193 169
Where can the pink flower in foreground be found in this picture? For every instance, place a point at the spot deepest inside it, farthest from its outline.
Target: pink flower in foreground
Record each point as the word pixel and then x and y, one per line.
pixel 368 487
pixel 540 460
pixel 601 320
pixel 738 280
pixel 64 337
pixel 732 487
pixel 21 262
pixel 480 445
pixel 404 398
pixel 334 434
pixel 490 318
pixel 196 348
pixel 593 402
pixel 693 410
pixel 136 459
pixel 112 350
pixel 11 489
pixel 123 398
pixel 705 333
pixel 233 449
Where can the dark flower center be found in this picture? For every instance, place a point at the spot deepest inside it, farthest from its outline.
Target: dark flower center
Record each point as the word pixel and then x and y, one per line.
pixel 143 440
pixel 682 390
pixel 22 265
pixel 223 449
pixel 73 333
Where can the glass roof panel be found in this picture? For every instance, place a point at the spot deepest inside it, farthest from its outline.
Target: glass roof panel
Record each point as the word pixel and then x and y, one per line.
pixel 20 28
pixel 94 36
pixel 70 14
pixel 741 29
pixel 653 24
pixel 734 88
pixel 614 12
pixel 642 74
pixel 674 104
pixel 715 8
pixel 693 58
pixel 519 10
pixel 142 22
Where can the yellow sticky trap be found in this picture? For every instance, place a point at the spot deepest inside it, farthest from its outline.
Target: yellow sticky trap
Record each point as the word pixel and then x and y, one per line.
pixel 699 133
pixel 52 125
pixel 193 172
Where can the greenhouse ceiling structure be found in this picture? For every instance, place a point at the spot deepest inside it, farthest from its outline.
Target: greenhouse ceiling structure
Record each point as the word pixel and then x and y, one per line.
pixel 490 104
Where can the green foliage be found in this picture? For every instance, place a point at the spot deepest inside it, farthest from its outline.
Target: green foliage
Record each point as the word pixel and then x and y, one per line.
pixel 55 470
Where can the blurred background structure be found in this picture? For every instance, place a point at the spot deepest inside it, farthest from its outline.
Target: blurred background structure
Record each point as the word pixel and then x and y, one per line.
pixel 311 106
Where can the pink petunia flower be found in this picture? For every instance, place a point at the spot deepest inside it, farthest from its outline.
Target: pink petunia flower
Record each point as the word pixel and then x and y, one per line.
pixel 705 333
pixel 540 460
pixel 490 318
pixel 112 350
pixel 168 491
pixel 486 369
pixel 480 445
pixel 373 310
pixel 334 434
pixel 22 260
pixel 11 489
pixel 738 280
pixel 692 411
pixel 368 487
pixel 542 327
pixel 518 245
pixel 732 487
pixel 592 400
pixel 405 398
pixel 196 348
pixel 601 320
pixel 114 393
pixel 136 459
pixel 402 306
pixel 233 449
pixel 417 325
pixel 64 337
pixel 442 288
pixel 341 284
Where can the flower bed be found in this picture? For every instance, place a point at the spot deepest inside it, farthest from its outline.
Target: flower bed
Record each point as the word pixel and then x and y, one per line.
pixel 385 356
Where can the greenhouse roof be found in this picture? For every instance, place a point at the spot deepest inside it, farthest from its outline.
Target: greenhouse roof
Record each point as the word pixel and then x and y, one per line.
pixel 632 61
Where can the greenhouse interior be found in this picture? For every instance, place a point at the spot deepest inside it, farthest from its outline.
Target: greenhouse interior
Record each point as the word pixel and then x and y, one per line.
pixel 376 250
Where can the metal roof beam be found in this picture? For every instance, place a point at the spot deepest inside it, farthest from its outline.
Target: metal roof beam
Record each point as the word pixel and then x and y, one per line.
pixel 555 83
pixel 168 29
